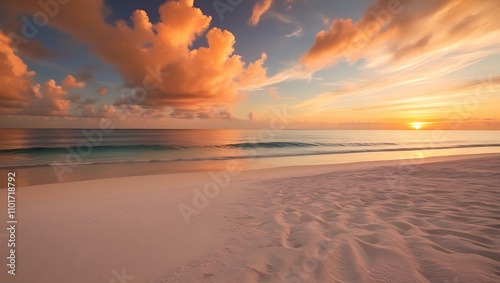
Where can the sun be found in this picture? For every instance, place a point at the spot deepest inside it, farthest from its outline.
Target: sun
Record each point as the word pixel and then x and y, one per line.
pixel 417 125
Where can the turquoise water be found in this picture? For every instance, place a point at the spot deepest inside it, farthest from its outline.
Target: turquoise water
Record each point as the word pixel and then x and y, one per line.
pixel 46 156
pixel 31 148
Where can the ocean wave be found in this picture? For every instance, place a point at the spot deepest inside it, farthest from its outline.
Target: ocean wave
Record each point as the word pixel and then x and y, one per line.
pixel 69 149
pixel 158 147
pixel 222 158
pixel 250 145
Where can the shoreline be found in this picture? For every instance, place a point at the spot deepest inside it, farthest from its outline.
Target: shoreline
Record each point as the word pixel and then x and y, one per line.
pixel 53 175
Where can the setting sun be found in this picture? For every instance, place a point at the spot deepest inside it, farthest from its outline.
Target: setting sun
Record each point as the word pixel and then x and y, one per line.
pixel 417 125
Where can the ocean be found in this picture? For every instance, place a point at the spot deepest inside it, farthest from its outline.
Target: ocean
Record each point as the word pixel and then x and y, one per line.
pixel 195 150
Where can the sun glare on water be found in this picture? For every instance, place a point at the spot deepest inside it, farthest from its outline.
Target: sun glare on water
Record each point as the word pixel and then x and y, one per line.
pixel 417 125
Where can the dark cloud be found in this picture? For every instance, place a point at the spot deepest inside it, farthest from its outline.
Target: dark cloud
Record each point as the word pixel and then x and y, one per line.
pixel 35 50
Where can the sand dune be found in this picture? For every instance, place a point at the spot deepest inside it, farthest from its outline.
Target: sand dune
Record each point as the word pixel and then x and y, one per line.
pixel 348 223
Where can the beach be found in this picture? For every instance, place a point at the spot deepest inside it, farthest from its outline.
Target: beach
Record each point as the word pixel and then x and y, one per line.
pixel 249 141
pixel 436 220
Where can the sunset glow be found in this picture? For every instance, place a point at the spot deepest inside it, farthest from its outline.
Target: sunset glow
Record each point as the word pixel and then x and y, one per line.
pixel 417 125
pixel 338 66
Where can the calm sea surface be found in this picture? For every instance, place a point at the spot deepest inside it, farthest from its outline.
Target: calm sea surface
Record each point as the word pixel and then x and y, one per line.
pixel 192 150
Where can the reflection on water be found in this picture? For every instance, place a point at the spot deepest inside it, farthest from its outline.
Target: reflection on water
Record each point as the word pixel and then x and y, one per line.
pixel 34 153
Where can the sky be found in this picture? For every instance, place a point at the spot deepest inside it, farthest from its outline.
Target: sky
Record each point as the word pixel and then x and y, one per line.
pixel 315 64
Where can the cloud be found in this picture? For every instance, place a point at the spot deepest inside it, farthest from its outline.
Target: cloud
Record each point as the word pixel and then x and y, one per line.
pixel 295 72
pixel 144 53
pixel 90 110
pixel 298 33
pixel 102 91
pixel 107 111
pixel 404 54
pixel 325 20
pixel 51 101
pixel 74 97
pixel 406 97
pixel 20 96
pixel 284 19
pixel 70 82
pixel 259 9
pixel 34 49
pixel 263 7
pixel 88 101
pixel 281 18
pixel 202 113
pixel 392 33
pixel 15 79
pixel 274 93
pixel 86 110
pixel 86 74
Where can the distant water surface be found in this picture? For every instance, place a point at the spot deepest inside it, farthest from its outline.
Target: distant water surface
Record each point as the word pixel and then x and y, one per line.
pixel 28 148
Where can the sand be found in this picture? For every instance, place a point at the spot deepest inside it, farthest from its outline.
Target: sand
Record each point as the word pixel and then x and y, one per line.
pixel 438 221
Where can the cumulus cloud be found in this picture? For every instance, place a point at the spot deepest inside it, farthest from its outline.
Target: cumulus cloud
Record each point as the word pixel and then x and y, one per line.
pixel 107 111
pixel 51 101
pixel 71 82
pixel 100 111
pixel 405 32
pixel 20 96
pixel 15 79
pixel 144 53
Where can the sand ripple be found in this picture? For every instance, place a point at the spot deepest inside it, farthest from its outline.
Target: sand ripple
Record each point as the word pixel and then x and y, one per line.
pixel 441 223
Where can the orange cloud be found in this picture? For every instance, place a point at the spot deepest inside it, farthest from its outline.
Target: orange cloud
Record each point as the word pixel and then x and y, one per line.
pixel 146 52
pixel 50 101
pixel 70 82
pixel 259 9
pixel 15 79
pixel 405 54
pixel 262 7
pixel 19 96
pixel 400 31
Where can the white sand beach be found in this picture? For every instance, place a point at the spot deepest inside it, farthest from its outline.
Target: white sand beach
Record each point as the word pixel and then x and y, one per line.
pixel 438 221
